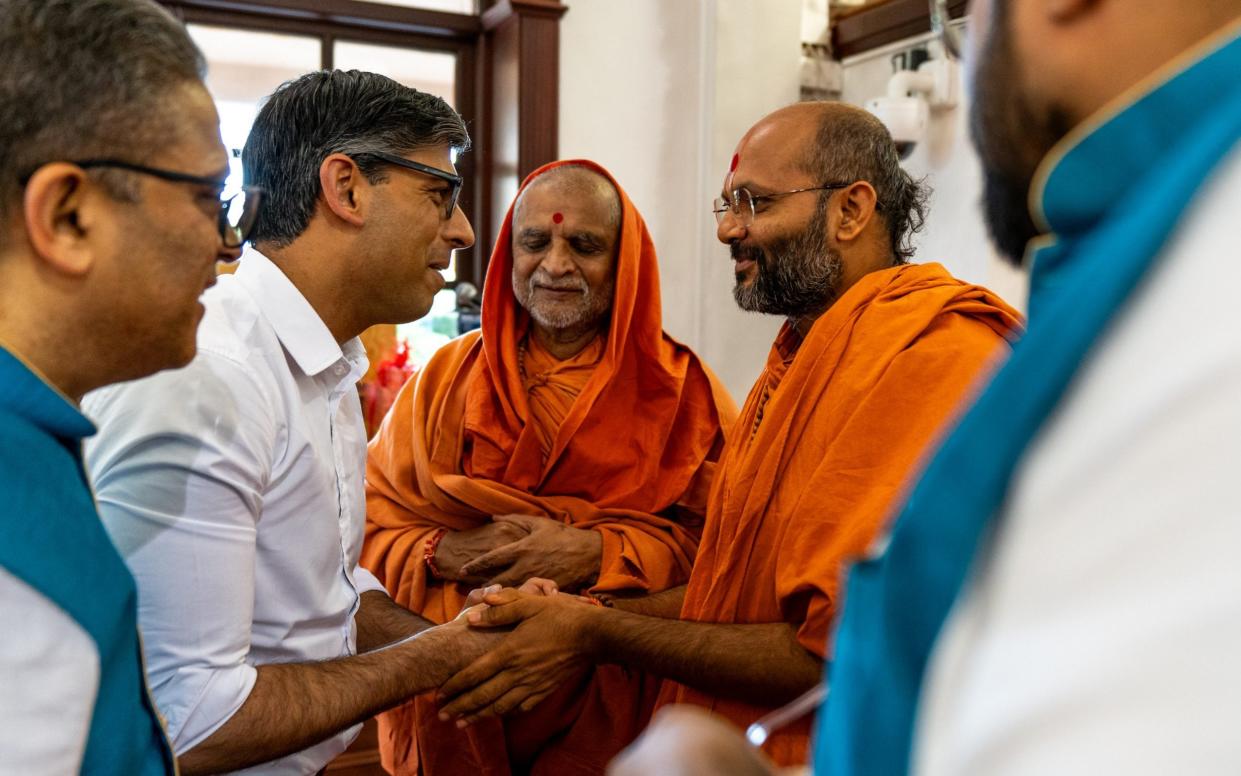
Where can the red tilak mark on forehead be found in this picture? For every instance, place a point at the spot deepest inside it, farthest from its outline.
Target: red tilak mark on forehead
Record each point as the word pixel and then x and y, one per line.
pixel 557 217
pixel 736 159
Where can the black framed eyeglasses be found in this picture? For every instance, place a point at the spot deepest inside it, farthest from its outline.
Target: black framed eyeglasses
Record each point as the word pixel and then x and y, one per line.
pixel 453 180
pixel 237 213
pixel 743 202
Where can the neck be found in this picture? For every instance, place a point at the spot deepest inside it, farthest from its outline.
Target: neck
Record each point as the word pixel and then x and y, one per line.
pixel 68 370
pixel 566 343
pixel 310 267
pixel 801 324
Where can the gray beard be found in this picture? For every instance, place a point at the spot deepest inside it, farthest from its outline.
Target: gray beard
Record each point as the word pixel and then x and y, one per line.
pixel 795 277
pixel 589 312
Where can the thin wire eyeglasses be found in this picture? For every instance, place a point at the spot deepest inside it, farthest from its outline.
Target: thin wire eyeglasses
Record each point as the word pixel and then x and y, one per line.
pixel 237 213
pixel 454 181
pixel 743 202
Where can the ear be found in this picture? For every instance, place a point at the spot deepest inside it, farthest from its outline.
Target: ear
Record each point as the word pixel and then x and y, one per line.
pixel 343 188
pixel 61 211
pixel 855 208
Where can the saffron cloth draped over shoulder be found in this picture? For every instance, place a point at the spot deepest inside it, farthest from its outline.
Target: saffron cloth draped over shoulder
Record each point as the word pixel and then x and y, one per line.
pixel 621 439
pixel 831 432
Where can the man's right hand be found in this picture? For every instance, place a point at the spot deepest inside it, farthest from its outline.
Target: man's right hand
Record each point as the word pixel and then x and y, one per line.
pixel 458 548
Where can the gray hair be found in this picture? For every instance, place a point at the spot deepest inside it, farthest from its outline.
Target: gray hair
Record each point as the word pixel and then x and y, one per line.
pixel 86 78
pixel 333 111
pixel 853 145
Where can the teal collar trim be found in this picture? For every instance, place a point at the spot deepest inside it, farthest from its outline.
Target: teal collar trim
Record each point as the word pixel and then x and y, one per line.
pixel 25 394
pixel 1094 175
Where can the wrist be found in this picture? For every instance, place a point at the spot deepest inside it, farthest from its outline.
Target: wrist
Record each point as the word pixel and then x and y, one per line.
pixel 591 630
pixel 430 549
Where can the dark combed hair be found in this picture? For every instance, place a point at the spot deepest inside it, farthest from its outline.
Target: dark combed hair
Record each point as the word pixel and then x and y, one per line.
pixel 855 146
pixel 86 78
pixel 334 111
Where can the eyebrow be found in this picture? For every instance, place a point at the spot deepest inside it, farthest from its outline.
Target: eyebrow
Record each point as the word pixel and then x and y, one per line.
pixel 531 231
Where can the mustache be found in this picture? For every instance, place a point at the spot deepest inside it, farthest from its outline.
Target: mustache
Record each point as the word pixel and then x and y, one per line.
pixel 538 280
pixel 739 252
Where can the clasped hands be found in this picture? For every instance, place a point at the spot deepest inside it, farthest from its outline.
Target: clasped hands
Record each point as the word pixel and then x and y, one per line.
pixel 547 647
pixel 514 548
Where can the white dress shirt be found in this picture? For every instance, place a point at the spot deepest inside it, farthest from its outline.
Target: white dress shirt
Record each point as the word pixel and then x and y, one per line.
pixel 233 488
pixel 49 672
pixel 1101 631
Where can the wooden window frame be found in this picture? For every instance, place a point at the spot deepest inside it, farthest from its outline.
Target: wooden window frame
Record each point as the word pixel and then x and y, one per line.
pixel 506 38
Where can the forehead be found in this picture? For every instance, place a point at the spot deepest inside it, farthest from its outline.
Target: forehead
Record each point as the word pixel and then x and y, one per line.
pixel 583 206
pixel 770 155
pixel 195 143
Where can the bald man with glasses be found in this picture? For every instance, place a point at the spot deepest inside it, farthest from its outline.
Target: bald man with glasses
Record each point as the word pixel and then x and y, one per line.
pixel 233 488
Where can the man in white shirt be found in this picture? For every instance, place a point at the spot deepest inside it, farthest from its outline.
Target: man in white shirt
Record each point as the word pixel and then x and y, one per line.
pixel 234 487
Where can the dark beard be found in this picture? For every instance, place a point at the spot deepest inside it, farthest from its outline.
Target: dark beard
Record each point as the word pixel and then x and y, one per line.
pixel 795 277
pixel 1012 136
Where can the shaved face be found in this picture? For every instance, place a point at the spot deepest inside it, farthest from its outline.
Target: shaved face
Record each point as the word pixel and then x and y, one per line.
pixel 566 231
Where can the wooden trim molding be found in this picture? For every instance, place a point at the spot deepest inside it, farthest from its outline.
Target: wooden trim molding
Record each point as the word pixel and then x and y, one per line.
pixel 520 57
pixel 348 13
pixel 885 23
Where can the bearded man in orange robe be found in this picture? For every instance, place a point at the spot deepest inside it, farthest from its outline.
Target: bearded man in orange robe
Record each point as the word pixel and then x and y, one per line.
pixel 874 358
pixel 570 439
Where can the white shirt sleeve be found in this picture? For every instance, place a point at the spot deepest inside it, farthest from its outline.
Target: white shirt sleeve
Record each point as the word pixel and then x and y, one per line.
pixel 180 465
pixel 365 582
pixel 49 673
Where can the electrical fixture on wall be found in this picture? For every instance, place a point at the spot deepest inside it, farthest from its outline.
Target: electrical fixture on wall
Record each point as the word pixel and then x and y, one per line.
pixel 912 95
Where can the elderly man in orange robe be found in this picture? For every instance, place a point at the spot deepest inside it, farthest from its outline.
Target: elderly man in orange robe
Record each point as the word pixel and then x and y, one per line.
pixel 570 439
pixel 875 357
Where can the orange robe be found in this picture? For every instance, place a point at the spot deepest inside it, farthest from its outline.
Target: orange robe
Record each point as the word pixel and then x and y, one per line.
pixel 621 439
pixel 830 433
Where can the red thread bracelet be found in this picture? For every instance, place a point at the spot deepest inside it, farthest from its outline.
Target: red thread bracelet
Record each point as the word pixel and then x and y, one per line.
pixel 428 552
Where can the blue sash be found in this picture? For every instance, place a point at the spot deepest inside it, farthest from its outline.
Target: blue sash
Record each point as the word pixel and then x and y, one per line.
pixel 1112 202
pixel 51 539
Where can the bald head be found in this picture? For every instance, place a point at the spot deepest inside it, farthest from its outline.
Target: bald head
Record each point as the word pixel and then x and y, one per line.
pixel 834 142
pixel 851 144
pixel 575 182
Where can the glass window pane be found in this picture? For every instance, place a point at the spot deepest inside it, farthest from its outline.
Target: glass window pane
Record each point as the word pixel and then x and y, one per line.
pixel 434 72
pixel 243 67
pixel 452 6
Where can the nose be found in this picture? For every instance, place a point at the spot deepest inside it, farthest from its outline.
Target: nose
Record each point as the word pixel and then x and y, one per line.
pixel 557 262
pixel 227 255
pixel 457 231
pixel 730 228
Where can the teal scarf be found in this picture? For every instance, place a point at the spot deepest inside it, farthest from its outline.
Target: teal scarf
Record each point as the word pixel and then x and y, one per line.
pixel 51 539
pixel 1111 202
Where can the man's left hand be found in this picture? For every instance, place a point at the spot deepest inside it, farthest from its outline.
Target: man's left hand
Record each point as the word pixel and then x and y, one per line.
pixel 568 556
pixel 548 647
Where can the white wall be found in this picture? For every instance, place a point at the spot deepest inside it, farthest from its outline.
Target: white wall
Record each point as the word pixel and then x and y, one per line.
pixel 659 92
pixel 954 234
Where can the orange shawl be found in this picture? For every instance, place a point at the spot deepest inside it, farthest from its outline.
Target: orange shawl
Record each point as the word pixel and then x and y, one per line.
pixel 633 459
pixel 827 438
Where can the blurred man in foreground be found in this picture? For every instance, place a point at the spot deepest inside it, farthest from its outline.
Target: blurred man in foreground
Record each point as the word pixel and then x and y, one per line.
pixel 111 171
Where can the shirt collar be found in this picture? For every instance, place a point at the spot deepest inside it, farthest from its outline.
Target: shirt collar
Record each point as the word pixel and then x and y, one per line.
pixel 298 327
pixel 26 394
pixel 1092 168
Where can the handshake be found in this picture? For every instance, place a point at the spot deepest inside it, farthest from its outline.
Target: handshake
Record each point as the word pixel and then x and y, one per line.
pixel 533 639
